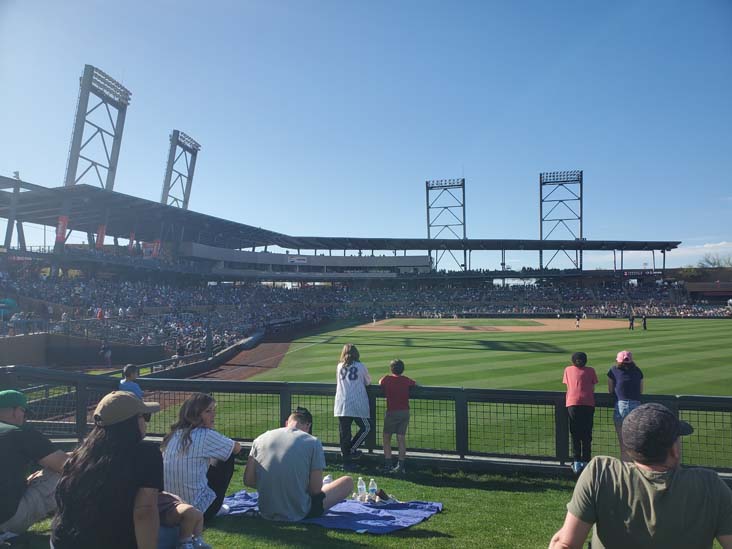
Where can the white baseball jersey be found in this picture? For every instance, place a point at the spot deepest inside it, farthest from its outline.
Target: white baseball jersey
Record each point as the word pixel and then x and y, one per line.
pixel 185 471
pixel 351 398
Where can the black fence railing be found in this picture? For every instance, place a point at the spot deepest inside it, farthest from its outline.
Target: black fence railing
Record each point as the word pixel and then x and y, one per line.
pixel 466 423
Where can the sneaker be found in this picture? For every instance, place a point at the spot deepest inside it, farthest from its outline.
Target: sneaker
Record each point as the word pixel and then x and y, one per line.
pixel 399 468
pixel 387 468
pixel 225 510
pixel 576 467
pixel 356 454
pixel 199 543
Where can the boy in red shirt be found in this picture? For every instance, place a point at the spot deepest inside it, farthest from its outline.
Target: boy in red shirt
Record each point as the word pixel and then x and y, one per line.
pixel 580 380
pixel 396 420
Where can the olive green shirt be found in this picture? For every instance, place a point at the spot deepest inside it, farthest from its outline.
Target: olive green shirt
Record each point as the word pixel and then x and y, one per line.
pixel 632 507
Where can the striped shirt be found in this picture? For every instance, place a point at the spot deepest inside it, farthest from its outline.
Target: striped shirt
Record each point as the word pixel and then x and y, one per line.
pixel 351 399
pixel 185 472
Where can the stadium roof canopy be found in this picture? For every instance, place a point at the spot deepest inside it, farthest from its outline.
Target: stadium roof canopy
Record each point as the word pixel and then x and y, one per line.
pixel 88 207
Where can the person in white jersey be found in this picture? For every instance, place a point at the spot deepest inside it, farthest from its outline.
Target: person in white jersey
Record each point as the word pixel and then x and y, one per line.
pixel 351 403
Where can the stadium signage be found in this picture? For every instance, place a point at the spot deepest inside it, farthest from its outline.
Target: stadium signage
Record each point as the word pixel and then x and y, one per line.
pixel 642 273
pixel 297 259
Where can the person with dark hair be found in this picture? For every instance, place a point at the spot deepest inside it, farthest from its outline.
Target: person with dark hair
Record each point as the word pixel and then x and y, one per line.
pixel 652 501
pixel 580 380
pixel 351 403
pixel 25 499
pixel 108 493
pixel 631 321
pixel 127 383
pixel 625 384
pixel 286 467
pixel 396 419
pixel 188 452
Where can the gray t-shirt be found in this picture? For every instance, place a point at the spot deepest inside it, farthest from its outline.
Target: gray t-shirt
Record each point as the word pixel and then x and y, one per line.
pixel 632 507
pixel 284 458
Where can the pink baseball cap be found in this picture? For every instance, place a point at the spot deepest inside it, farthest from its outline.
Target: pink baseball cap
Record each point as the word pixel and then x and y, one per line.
pixel 624 357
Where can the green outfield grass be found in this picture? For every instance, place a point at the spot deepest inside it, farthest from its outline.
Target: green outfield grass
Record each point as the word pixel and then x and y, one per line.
pixel 677 356
pixel 458 322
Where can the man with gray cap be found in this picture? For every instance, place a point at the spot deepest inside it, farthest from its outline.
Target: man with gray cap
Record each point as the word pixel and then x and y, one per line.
pixel 651 501
pixel 24 501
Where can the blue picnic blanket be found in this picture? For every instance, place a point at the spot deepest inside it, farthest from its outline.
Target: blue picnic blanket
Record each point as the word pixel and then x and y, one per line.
pixel 352 515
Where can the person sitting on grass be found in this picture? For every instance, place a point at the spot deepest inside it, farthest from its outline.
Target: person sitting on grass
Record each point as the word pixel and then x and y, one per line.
pixel 127 383
pixel 396 420
pixel 286 467
pixel 24 500
pixel 110 493
pixel 199 461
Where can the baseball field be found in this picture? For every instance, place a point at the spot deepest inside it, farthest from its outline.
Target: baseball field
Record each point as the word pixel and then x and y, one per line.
pixel 677 356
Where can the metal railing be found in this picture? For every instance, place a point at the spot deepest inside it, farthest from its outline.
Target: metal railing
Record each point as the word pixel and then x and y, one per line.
pixel 465 423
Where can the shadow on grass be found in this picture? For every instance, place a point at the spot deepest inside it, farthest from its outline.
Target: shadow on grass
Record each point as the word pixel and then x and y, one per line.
pixel 469 481
pixel 472 345
pixel 293 533
pixel 279 533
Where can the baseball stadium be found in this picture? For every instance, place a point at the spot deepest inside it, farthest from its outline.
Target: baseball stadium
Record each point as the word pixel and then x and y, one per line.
pixel 258 319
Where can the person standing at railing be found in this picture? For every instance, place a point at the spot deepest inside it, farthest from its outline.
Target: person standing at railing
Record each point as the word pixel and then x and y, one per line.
pixel 396 420
pixel 625 384
pixel 652 501
pixel 25 501
pixel 580 380
pixel 351 403
pixel 127 383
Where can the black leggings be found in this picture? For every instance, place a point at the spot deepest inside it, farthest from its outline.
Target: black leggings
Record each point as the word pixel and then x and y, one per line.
pixel 219 476
pixel 581 419
pixel 348 444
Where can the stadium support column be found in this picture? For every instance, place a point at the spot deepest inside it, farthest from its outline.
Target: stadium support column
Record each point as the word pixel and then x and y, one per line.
pixel 12 217
pixel 183 150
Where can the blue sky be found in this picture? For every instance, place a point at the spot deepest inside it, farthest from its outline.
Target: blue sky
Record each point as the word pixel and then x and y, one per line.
pixel 326 118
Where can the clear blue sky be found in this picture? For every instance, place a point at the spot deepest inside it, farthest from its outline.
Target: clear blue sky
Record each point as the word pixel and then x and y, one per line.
pixel 326 118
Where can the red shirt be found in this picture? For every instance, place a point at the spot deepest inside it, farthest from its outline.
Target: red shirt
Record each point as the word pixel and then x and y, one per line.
pixel 580 384
pixel 396 389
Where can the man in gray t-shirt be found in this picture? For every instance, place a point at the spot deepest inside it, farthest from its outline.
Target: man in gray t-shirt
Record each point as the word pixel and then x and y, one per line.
pixel 286 467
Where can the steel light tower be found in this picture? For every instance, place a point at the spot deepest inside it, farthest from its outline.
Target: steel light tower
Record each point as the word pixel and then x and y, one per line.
pixel 445 199
pixel 179 178
pixel 561 192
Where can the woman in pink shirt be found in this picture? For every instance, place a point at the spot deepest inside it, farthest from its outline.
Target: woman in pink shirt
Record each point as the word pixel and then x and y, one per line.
pixel 580 380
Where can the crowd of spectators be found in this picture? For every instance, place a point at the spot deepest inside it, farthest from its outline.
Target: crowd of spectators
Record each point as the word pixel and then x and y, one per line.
pixel 177 314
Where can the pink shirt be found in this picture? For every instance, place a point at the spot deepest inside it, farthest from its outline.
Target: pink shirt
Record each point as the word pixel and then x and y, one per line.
pixel 580 384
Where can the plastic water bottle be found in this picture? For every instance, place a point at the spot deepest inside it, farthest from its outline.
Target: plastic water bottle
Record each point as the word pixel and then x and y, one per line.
pixel 327 479
pixel 372 489
pixel 361 489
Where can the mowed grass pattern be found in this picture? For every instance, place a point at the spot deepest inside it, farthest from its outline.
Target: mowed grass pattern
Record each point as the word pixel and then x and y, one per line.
pixel 676 356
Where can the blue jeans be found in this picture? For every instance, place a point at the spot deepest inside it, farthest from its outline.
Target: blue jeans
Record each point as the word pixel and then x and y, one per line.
pixel 623 408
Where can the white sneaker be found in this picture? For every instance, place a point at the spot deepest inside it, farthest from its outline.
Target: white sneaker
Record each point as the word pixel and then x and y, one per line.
pixel 225 510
